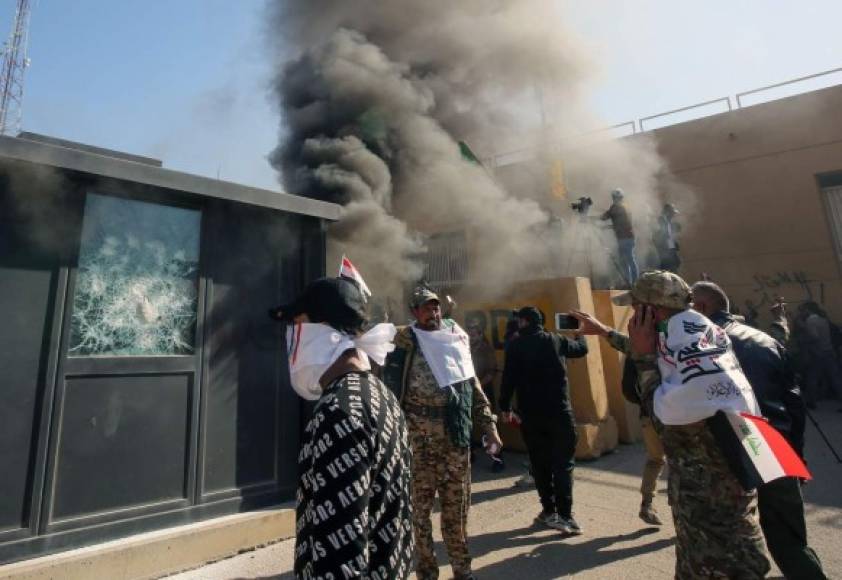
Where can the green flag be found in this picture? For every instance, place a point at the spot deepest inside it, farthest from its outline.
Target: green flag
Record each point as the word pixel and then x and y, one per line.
pixel 467 154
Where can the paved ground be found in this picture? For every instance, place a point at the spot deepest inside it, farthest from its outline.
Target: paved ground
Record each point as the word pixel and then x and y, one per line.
pixel 616 543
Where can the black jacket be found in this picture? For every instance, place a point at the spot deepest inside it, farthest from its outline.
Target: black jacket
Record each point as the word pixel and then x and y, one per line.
pixel 536 370
pixel 767 367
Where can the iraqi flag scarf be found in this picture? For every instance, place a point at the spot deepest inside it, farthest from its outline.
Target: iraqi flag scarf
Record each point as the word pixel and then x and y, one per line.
pixel 755 451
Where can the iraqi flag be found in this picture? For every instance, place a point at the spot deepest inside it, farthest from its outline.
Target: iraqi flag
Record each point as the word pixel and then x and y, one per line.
pixel 755 451
pixel 348 270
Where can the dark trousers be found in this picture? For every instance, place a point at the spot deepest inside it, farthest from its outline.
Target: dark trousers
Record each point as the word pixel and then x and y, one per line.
pixel 781 510
pixel 822 374
pixel 551 443
pixel 670 259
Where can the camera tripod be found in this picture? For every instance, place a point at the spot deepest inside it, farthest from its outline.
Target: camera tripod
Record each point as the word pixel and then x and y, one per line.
pixel 585 239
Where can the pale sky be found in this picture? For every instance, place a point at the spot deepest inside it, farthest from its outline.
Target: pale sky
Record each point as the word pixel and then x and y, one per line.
pixel 188 81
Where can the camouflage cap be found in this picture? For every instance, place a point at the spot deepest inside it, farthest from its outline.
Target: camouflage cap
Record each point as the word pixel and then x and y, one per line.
pixel 659 288
pixel 422 295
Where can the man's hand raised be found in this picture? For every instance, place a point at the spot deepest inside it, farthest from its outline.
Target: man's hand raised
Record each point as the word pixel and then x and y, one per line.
pixel 589 325
pixel 642 333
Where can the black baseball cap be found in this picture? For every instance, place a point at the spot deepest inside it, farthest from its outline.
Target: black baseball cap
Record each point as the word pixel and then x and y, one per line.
pixel 338 302
pixel 531 314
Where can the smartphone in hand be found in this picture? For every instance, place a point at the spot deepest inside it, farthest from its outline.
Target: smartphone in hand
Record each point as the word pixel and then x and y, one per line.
pixel 564 321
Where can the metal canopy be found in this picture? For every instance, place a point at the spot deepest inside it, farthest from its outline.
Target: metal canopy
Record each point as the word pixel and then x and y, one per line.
pixel 13 148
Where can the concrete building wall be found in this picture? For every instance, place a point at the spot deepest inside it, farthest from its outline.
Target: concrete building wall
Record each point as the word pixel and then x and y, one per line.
pixel 758 224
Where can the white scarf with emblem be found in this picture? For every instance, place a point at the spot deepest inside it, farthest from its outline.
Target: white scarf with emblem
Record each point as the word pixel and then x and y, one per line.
pixel 447 352
pixel 700 374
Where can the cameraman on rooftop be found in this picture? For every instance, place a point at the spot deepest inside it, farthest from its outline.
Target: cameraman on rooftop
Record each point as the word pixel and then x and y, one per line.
pixel 622 224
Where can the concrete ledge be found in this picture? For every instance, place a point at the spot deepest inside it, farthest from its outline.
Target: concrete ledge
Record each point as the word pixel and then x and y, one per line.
pixel 596 439
pixel 162 552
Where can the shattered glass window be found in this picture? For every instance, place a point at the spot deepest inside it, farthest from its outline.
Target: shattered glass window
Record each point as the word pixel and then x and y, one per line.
pixel 137 281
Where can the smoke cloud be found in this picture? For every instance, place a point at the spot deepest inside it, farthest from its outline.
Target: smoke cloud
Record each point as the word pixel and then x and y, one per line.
pixel 376 96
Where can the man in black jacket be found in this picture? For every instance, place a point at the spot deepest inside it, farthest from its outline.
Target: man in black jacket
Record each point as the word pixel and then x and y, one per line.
pixel 536 370
pixel 767 368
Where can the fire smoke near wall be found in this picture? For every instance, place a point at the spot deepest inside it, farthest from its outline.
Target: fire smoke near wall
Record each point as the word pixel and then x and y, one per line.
pixel 376 95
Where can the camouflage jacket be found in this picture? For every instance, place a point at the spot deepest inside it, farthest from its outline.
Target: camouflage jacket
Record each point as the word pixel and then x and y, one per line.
pixel 467 406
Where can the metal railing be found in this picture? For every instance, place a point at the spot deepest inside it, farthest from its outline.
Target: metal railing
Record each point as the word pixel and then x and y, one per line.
pixel 785 83
pixel 639 125
pixel 726 100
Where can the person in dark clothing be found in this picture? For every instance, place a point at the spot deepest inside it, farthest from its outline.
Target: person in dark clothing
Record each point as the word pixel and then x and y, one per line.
pixel 536 370
pixel 353 512
pixel 779 327
pixel 622 225
pixel 665 239
pixel 766 365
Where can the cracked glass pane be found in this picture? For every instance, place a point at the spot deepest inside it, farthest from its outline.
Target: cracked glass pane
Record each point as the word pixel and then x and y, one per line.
pixel 137 281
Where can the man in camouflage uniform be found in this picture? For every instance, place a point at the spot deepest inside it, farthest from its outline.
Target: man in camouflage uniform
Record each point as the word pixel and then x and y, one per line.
pixel 717 534
pixel 440 420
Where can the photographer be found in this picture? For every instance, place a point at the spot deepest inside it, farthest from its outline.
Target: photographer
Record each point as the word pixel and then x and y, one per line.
pixel 536 369
pixel 622 224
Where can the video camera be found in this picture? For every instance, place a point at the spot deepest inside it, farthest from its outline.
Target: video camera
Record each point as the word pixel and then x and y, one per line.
pixel 582 205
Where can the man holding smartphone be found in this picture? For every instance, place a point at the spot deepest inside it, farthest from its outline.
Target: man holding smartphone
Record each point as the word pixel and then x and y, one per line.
pixel 536 370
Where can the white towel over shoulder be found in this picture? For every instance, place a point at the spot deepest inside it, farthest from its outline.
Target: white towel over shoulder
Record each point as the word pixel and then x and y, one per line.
pixel 700 374
pixel 448 352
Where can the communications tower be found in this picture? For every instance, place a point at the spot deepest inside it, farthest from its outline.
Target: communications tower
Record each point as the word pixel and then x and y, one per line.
pixel 12 69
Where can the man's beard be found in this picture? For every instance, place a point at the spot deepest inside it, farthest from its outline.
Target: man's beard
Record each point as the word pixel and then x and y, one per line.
pixel 431 324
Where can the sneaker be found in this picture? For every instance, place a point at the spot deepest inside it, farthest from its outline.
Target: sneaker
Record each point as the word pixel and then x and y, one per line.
pixel 543 517
pixel 649 515
pixel 556 522
pixel 526 481
pixel 572 526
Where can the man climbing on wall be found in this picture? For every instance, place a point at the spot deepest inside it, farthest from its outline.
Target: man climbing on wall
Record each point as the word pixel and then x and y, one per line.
pixel 621 222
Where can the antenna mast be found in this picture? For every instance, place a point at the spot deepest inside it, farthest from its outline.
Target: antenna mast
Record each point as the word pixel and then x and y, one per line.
pixel 12 68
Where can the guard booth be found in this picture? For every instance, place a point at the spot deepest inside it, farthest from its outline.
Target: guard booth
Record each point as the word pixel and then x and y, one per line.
pixel 141 381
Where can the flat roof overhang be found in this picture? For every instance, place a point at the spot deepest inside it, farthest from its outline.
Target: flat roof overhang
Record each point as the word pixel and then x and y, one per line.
pixel 19 149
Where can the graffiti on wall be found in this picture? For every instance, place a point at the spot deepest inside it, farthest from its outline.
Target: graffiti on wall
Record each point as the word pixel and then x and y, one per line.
pixel 795 285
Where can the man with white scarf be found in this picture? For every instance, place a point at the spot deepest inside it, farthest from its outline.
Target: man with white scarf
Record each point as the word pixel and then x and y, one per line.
pixel 432 374
pixel 688 372
pixel 353 504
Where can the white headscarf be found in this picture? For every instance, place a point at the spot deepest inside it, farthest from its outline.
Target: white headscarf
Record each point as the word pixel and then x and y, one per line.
pixel 313 348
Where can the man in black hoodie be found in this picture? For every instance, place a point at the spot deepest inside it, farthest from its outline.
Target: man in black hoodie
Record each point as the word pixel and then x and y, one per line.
pixel 536 370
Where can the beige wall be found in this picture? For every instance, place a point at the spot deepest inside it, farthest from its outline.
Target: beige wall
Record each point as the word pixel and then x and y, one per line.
pixel 758 226
pixel 597 428
pixel 626 414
